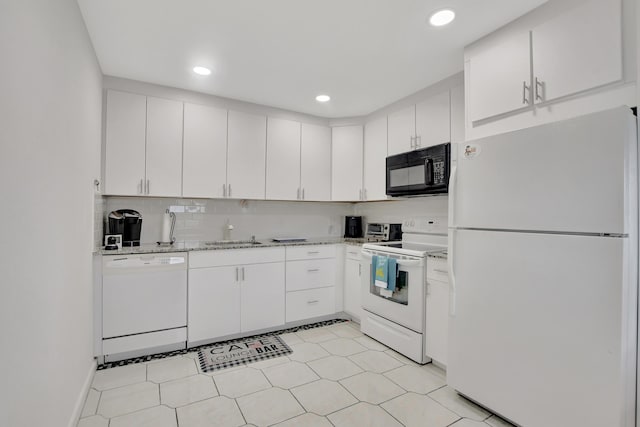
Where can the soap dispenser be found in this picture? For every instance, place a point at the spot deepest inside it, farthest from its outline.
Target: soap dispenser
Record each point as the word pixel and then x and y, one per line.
pixel 226 232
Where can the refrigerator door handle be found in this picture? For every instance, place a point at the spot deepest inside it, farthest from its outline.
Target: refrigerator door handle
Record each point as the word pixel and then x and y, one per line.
pixel 452 194
pixel 452 276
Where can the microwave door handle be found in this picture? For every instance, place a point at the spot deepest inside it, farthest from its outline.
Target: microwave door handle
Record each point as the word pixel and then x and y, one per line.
pixel 428 172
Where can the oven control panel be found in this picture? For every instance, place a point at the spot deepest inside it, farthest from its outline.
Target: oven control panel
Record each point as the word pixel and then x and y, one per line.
pixel 435 224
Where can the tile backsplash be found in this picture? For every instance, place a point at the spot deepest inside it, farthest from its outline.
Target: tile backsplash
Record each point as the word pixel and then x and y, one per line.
pixel 204 219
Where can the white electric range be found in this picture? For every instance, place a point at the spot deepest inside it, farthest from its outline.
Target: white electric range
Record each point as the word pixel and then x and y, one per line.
pixel 397 319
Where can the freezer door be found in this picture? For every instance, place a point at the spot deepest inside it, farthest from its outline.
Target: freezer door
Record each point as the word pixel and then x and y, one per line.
pixel 577 175
pixel 542 329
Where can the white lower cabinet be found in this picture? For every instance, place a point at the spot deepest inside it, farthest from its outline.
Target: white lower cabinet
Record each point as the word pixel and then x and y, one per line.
pixel 241 297
pixel 311 278
pixel 239 291
pixel 214 303
pixel 262 296
pixel 437 318
pixel 310 303
pixel 310 274
pixel 352 274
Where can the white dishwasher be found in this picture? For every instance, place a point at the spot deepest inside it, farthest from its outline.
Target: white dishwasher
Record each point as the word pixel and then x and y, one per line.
pixel 144 303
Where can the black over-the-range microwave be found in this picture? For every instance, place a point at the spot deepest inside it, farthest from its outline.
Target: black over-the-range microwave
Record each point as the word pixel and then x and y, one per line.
pixel 419 172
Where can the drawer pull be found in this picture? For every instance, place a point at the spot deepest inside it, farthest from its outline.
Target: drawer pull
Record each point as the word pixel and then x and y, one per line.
pixel 440 271
pixel 312 270
pixel 315 301
pixel 313 252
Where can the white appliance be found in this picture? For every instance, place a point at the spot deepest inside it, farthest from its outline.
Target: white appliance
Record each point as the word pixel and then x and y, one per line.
pixel 543 251
pixel 144 303
pixel 398 319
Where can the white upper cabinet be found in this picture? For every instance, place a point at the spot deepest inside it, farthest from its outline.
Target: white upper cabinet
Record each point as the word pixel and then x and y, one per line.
pixel 164 147
pixel 578 50
pixel 553 57
pixel 125 143
pixel 246 155
pixel 283 159
pixel 422 125
pixel 204 160
pixel 346 160
pixel 402 130
pixel 375 154
pixel 457 114
pixel 433 121
pixel 315 159
pixel 143 145
pixel 500 78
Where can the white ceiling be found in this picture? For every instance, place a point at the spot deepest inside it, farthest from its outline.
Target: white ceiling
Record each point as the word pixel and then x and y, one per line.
pixel 364 53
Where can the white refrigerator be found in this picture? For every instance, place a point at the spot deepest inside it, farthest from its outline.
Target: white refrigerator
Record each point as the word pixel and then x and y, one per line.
pixel 543 252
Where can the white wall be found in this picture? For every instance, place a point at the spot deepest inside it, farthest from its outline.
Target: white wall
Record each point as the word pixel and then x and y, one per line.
pixel 50 109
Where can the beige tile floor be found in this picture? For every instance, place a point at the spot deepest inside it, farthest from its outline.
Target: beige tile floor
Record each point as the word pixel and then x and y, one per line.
pixel 335 377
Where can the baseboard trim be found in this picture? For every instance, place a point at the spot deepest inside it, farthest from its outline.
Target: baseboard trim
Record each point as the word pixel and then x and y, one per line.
pixel 77 410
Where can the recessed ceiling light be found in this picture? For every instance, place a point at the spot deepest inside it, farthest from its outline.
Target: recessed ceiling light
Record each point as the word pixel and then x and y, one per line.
pixel 203 71
pixel 323 98
pixel 442 17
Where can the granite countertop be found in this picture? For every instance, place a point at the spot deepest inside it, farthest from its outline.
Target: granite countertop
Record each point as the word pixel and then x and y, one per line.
pixel 187 246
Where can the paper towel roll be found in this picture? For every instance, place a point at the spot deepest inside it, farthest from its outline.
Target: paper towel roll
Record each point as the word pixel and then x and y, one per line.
pixel 166 228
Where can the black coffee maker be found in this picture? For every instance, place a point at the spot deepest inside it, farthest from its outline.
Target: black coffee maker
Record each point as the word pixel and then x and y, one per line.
pixel 128 223
pixel 353 227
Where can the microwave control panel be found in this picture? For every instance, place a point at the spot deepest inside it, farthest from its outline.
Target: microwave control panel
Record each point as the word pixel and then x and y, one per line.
pixel 439 173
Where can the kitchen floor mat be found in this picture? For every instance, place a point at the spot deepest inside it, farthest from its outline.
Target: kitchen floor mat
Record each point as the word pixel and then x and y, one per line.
pixel 240 352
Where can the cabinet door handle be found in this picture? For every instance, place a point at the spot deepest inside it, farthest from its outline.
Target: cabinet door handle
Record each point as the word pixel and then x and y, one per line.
pixel 237 274
pixel 360 194
pixel 440 271
pixel 312 270
pixel 148 186
pixel 243 274
pixel 314 301
pixel 312 252
pixel 224 190
pixel 229 190
pixel 539 90
pixel 359 269
pixel 140 186
pixel 412 142
pixel 303 194
pixel 525 88
pixel 418 141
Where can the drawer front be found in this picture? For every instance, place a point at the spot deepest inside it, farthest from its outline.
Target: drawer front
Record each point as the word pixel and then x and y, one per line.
pixel 353 252
pixel 310 303
pixel 437 269
pixel 222 257
pixel 309 274
pixel 310 252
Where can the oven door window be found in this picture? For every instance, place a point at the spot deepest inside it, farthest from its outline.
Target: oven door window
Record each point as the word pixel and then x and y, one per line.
pixel 401 293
